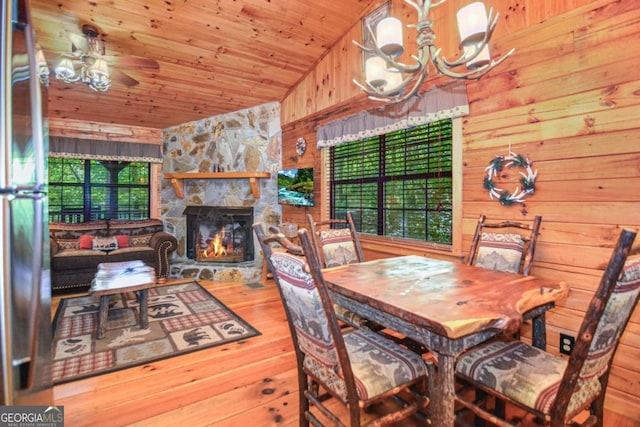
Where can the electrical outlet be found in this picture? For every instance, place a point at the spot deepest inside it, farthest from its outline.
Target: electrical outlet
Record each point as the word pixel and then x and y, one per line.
pixel 566 343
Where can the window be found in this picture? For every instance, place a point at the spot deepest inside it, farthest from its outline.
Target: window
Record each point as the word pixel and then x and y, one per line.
pixel 85 190
pixel 398 184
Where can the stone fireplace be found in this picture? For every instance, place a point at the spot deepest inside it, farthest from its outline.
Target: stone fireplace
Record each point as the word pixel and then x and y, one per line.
pixel 243 141
pixel 219 234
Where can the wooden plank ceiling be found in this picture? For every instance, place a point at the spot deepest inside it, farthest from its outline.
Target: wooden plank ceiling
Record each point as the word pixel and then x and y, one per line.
pixel 214 56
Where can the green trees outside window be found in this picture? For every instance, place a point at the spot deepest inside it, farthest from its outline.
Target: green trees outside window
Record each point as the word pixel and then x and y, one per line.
pixel 398 184
pixel 85 190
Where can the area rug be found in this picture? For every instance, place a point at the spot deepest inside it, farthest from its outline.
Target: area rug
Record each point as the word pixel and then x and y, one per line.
pixel 182 318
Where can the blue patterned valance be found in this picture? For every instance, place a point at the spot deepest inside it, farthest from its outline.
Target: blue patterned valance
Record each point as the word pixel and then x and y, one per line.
pixel 438 103
pixel 76 148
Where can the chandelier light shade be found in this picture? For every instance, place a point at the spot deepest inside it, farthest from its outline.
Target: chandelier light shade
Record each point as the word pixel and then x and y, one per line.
pixel 397 81
pixel 375 72
pixel 472 23
pixel 389 36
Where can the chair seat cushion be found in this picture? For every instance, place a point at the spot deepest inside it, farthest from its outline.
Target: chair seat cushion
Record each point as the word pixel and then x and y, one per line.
pixel 523 373
pixel 378 364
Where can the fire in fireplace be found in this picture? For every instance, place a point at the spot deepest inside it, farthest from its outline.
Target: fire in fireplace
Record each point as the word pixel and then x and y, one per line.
pixel 219 234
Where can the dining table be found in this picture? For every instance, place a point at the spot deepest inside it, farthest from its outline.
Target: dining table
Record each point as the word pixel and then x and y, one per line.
pixel 446 306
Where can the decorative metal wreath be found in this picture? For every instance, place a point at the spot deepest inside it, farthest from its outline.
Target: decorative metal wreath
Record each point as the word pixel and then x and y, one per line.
pixel 528 180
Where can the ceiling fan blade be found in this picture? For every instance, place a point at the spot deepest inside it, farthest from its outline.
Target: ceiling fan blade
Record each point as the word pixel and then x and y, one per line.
pixel 123 78
pixel 80 42
pixel 132 62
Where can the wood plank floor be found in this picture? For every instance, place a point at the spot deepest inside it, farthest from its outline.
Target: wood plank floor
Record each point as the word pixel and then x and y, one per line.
pixel 247 383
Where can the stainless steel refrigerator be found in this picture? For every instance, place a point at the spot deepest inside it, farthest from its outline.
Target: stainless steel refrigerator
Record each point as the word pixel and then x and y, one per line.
pixel 25 285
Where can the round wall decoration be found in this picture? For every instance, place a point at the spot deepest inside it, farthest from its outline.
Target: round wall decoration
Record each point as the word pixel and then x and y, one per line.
pixel 301 146
pixel 527 181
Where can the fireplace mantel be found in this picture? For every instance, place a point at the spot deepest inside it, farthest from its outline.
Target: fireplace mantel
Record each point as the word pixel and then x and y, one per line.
pixel 177 179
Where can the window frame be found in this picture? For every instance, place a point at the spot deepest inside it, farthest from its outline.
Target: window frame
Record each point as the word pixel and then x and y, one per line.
pixel 401 245
pixel 86 212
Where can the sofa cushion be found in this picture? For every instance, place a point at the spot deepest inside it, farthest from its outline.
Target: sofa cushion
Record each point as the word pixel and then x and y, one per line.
pixel 69 244
pixel 62 231
pixel 77 252
pixel 105 243
pixel 123 241
pixel 85 242
pixel 134 227
pixel 142 240
pixel 131 249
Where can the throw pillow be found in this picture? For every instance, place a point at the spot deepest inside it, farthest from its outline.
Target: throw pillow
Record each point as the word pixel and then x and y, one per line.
pixel 105 243
pixel 123 241
pixel 85 242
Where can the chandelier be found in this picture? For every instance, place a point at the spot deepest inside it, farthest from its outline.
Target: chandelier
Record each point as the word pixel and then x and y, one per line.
pixel 93 70
pixel 388 80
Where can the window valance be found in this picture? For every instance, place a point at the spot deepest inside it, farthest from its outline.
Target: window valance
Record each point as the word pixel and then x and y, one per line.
pixel 438 103
pixel 76 148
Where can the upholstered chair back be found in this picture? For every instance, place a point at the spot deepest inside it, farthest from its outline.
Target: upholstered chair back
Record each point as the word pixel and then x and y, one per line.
pixel 305 308
pixel 504 246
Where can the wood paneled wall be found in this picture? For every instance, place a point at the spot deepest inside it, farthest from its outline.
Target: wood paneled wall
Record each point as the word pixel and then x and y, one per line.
pixel 568 99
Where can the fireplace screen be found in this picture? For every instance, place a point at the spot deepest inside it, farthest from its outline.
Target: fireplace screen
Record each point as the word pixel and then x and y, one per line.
pixel 219 234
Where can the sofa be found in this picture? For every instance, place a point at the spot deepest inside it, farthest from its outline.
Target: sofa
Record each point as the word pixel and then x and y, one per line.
pixel 77 249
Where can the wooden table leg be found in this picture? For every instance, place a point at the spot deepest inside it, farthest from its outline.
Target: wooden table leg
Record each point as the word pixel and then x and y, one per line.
pixel 103 314
pixel 143 297
pixel 445 392
pixel 538 334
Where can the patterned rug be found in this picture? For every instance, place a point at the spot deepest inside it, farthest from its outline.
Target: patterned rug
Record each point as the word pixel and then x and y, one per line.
pixel 182 318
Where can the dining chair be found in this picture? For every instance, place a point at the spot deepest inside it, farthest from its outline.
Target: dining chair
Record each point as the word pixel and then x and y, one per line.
pixel 336 241
pixel 510 246
pixel 504 246
pixel 356 367
pixel 554 389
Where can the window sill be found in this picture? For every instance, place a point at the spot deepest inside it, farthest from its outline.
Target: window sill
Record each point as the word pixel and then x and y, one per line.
pixel 383 247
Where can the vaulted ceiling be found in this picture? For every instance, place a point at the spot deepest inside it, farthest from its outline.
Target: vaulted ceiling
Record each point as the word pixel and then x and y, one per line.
pixel 214 56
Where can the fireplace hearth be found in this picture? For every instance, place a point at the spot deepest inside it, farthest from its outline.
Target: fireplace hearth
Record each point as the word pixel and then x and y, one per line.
pixel 219 234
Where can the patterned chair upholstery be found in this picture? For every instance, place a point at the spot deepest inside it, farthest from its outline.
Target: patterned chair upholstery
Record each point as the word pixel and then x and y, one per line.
pixel 336 247
pixel 510 247
pixel 357 367
pixel 552 388
pixel 336 241
pixel 500 251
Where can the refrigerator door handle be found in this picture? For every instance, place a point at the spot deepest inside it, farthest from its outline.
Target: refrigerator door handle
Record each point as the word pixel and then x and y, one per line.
pixel 36 285
pixel 39 157
pixel 36 107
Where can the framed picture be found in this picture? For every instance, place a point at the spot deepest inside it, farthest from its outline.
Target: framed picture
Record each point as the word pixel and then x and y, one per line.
pixel 372 20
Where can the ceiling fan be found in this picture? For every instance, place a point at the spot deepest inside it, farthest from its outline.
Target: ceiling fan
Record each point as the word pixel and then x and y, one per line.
pixel 88 63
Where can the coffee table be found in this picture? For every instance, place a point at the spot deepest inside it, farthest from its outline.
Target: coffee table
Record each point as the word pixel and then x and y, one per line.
pixel 105 294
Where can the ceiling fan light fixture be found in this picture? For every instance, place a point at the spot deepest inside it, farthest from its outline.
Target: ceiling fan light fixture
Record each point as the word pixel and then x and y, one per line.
pixel 98 78
pixel 66 72
pixel 99 69
pixel 43 69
